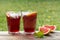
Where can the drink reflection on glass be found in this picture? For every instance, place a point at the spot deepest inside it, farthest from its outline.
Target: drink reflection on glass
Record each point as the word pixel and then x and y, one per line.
pixel 13 22
pixel 29 22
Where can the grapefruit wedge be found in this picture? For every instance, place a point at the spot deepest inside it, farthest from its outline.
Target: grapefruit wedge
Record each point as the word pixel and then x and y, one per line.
pixel 44 30
pixel 51 27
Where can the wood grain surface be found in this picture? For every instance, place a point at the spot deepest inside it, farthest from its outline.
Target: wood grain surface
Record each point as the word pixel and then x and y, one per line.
pixel 20 36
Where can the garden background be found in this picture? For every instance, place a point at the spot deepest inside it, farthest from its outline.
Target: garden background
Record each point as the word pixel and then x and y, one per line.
pixel 48 11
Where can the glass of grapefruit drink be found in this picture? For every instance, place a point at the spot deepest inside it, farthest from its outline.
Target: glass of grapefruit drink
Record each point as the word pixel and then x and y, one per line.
pixel 13 22
pixel 29 22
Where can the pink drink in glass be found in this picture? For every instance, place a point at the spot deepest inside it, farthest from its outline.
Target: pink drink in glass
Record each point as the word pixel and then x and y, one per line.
pixel 13 21
pixel 29 22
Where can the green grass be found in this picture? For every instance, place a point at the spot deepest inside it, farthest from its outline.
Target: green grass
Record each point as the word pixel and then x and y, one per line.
pixel 48 11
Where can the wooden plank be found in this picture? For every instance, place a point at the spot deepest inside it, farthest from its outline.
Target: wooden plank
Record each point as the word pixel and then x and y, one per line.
pixel 5 36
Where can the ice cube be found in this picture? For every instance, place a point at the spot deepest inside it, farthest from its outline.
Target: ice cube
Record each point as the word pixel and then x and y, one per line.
pixel 13 14
pixel 19 13
pixel 25 13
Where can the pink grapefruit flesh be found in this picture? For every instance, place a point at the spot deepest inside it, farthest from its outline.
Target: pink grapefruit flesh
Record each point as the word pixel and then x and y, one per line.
pixel 51 27
pixel 44 30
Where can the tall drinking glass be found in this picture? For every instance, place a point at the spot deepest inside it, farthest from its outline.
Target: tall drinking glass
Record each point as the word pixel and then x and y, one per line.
pixel 13 22
pixel 29 22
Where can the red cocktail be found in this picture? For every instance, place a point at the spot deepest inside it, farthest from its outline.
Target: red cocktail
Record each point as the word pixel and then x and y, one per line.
pixel 13 21
pixel 29 21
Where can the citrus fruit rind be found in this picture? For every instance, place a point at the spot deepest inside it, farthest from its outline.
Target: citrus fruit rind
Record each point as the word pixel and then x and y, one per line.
pixel 44 30
pixel 51 27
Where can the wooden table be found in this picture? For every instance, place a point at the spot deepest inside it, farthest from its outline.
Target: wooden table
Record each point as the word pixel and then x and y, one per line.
pixel 5 36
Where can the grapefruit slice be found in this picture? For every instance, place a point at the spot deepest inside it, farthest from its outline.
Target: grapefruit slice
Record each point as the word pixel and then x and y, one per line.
pixel 44 30
pixel 51 27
